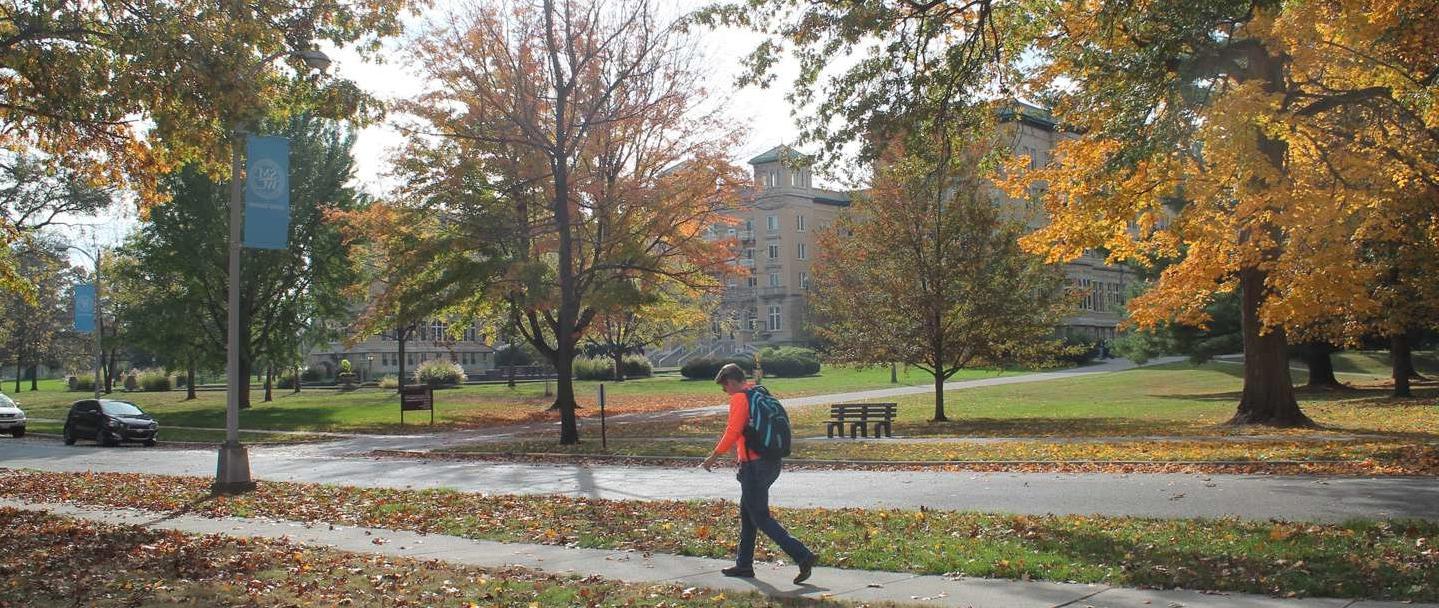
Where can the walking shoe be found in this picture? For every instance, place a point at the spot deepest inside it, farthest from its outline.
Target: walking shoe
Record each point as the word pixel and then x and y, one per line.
pixel 805 566
pixel 738 572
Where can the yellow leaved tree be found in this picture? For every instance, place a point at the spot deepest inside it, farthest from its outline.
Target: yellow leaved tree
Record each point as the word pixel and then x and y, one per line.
pixel 1289 150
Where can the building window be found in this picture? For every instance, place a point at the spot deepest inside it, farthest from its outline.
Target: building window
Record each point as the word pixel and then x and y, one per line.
pixel 774 279
pixel 749 253
pixel 800 252
pixel 799 223
pixel 1088 302
pixel 732 282
pixel 750 319
pixel 771 222
pixel 410 358
pixel 1115 299
pixel 774 317
pixel 749 225
pixel 774 252
pixel 794 179
pixel 752 282
pixel 804 280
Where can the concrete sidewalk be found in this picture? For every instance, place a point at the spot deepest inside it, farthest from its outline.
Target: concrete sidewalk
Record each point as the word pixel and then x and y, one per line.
pixel 636 567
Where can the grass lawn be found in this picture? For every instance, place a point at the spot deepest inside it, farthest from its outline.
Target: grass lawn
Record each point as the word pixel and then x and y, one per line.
pixel 1164 413
pixel 377 410
pixel 125 566
pixel 1358 559
pixel 1377 363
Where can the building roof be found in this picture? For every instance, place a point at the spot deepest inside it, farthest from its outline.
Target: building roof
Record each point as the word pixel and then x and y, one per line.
pixel 780 153
pixel 1028 113
pixel 832 197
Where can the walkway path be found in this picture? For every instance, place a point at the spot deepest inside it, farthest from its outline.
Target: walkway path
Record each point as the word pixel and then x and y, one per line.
pixel 773 580
pixel 1257 497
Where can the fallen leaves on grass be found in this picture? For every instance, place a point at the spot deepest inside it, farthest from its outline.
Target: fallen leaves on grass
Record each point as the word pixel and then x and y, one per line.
pixel 59 561
pixel 1388 560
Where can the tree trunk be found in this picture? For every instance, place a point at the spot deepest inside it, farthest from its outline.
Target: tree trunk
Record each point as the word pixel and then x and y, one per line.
pixel 17 374
pixel 939 398
pixel 619 368
pixel 190 380
pixel 565 397
pixel 401 334
pixel 34 377
pixel 1268 396
pixel 297 379
pixel 269 384
pixel 1403 362
pixel 1321 365
pixel 1409 357
pixel 245 371
pixel 894 373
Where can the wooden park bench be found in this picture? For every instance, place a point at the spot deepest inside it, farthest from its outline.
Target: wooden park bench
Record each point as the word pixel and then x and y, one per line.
pixel 859 416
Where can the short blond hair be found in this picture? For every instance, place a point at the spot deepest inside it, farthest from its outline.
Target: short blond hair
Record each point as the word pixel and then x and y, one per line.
pixel 729 372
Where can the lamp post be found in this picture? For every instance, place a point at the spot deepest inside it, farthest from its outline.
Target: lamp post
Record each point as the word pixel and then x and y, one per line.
pixel 369 366
pixel 232 472
pixel 96 330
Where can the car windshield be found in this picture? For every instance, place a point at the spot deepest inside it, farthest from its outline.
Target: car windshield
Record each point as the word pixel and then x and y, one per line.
pixel 120 408
pixel 6 402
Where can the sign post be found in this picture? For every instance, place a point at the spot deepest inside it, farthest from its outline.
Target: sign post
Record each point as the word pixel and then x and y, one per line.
pixel 604 443
pixel 419 397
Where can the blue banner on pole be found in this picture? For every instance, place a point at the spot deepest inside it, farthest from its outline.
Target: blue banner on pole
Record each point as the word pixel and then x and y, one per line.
pixel 85 307
pixel 267 192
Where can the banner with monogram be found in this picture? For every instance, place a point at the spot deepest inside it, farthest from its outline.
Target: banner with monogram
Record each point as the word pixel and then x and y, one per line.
pixel 85 307
pixel 267 192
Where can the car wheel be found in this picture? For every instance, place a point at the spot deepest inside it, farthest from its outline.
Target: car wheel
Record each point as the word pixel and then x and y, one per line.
pixel 18 433
pixel 149 443
pixel 69 435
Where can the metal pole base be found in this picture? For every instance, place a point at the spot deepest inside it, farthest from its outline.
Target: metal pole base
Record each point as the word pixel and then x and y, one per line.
pixel 232 475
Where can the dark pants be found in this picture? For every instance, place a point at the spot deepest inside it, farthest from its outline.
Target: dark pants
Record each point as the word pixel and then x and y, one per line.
pixel 755 477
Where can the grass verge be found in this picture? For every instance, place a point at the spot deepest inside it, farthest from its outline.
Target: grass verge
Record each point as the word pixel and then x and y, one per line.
pixel 1358 559
pixel 136 566
pixel 170 435
pixel 1330 457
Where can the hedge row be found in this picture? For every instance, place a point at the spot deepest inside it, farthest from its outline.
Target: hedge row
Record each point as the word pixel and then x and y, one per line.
pixel 601 368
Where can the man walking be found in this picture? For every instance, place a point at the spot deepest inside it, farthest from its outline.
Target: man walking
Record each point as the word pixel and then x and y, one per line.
pixel 756 474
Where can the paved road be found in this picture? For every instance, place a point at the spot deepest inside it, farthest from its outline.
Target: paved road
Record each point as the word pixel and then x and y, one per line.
pixel 1154 495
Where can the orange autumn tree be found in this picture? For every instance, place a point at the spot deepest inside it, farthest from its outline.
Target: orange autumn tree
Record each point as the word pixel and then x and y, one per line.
pixel 1264 145
pixel 585 134
pixel 925 268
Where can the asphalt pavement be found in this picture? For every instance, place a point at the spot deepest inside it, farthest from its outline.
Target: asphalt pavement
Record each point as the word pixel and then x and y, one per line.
pixel 1258 497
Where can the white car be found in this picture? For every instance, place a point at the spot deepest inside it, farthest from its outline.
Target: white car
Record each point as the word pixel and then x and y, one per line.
pixel 12 420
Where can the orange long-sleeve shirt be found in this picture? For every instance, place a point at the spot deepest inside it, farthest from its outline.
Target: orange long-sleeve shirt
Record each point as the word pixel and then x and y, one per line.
pixel 734 429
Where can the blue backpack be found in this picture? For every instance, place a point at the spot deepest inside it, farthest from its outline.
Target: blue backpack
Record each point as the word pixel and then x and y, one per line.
pixel 767 433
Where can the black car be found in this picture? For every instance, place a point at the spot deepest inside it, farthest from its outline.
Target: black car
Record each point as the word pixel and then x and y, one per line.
pixel 109 422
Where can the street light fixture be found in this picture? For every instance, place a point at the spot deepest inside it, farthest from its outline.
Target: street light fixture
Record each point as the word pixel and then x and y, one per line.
pixel 96 330
pixel 232 472
pixel 369 366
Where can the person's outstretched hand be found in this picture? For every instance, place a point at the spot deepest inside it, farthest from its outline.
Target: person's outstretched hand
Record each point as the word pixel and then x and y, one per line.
pixel 709 462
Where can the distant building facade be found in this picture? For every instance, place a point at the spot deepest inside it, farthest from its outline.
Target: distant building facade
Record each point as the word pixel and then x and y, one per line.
pixel 776 232
pixel 378 356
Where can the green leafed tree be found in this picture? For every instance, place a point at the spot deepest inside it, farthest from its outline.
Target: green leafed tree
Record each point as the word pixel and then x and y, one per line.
pixel 284 293
pixel 926 269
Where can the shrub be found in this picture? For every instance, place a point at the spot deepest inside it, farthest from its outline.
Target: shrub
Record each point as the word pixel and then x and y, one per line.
pixel 153 380
pixel 83 383
pixel 345 367
pixel 390 381
pixel 517 354
pixel 286 380
pixel 638 366
pixel 1079 349
pixel 311 374
pixel 132 380
pixel 704 368
pixel 789 362
pixel 440 372
pixel 586 368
